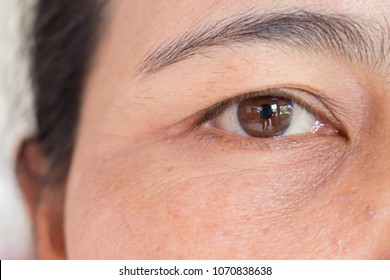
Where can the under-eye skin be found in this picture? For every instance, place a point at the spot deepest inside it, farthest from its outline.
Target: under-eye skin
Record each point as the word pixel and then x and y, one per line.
pixel 271 113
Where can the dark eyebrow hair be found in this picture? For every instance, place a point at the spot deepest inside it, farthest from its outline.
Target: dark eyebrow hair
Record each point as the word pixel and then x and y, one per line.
pixel 356 39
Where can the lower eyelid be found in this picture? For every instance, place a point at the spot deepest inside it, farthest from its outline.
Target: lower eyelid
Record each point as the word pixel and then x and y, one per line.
pixel 221 139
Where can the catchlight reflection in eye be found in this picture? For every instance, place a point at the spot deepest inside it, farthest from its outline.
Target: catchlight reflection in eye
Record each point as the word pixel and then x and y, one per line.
pixel 266 117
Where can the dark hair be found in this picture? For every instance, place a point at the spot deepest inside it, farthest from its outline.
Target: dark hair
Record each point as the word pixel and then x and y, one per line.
pixel 64 38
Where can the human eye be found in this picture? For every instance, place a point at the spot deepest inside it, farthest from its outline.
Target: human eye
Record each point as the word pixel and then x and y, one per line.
pixel 271 113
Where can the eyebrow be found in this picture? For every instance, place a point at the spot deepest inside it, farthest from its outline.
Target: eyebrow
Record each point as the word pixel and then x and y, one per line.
pixel 356 39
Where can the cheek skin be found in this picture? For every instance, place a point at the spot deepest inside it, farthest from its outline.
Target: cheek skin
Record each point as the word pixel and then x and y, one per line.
pixel 132 197
pixel 180 200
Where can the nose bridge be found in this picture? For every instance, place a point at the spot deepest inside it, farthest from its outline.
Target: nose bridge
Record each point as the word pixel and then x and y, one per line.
pixel 380 151
pixel 369 185
pixel 377 176
pixel 371 143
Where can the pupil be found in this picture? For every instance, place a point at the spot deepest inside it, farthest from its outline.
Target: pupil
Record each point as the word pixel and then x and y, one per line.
pixel 265 111
pixel 265 116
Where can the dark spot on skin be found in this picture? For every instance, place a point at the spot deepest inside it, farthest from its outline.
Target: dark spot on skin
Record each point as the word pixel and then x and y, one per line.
pixel 370 212
pixel 170 169
pixel 265 230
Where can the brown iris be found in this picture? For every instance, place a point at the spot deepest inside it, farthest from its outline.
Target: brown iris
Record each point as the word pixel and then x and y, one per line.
pixel 265 116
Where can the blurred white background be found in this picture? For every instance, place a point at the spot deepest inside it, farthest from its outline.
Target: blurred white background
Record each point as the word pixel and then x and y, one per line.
pixel 15 122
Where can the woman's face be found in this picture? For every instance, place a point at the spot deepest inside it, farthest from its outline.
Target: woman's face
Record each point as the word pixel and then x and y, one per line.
pixel 160 172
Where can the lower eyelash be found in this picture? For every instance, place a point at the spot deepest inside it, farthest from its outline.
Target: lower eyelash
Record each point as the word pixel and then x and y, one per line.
pixel 234 142
pixel 223 139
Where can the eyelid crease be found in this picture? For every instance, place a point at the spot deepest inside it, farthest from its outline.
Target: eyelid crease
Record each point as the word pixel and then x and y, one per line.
pixel 310 103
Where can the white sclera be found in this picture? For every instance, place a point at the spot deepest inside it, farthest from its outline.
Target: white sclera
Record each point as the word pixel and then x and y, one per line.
pixel 302 121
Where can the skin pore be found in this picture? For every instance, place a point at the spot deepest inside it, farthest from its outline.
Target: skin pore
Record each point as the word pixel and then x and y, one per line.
pixel 149 180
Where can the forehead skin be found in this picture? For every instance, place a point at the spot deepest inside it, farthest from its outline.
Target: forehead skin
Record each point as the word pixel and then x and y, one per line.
pixel 142 186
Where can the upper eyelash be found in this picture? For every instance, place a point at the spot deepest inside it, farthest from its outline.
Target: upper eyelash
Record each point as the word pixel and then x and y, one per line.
pixel 217 109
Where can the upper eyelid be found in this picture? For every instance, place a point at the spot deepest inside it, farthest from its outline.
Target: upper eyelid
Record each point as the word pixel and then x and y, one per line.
pixel 313 103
